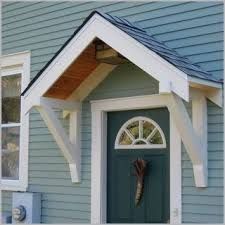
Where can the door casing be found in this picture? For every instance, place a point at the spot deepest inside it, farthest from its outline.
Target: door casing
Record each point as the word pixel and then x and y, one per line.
pixel 99 111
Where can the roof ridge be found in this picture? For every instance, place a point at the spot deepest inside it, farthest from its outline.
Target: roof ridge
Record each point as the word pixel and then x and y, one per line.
pixel 120 20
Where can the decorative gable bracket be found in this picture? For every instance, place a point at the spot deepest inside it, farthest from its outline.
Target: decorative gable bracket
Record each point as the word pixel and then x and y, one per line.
pixel 69 145
pixel 193 133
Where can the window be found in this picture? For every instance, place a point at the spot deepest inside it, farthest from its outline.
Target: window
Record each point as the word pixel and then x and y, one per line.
pixel 10 125
pixel 138 133
pixel 14 122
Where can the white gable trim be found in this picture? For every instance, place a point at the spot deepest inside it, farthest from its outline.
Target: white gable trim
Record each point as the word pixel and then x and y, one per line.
pixel 170 78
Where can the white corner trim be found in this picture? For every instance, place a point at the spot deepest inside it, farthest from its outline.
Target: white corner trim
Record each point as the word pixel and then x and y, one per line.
pixel 175 80
pixel 75 139
pixel 99 111
pixel 11 64
pixel 175 175
pixel 192 142
pixel 69 145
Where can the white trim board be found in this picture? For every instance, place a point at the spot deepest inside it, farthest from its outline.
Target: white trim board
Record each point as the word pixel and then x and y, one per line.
pixel 175 80
pixel 13 64
pixel 98 153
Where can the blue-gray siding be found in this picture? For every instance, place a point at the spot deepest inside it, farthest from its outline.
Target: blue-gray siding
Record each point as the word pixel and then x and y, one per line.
pixel 194 29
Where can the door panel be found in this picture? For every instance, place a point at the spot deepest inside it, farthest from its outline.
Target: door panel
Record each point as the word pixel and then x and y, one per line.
pixel 121 181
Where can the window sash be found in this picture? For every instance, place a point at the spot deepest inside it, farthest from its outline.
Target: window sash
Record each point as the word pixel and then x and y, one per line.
pixel 11 165
pixel 12 64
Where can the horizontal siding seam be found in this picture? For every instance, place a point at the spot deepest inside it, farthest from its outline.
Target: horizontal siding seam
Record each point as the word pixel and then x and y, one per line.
pixel 174 13
pixel 185 29
pixel 14 3
pixel 184 20
pixel 53 18
pixel 40 8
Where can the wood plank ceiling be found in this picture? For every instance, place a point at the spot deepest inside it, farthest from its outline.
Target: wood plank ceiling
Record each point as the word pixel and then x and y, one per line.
pixel 72 77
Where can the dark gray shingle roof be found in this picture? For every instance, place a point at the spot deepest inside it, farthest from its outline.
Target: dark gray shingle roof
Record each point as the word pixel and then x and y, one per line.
pixel 139 34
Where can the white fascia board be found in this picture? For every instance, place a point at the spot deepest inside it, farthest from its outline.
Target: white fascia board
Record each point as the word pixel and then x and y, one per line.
pixel 206 83
pixel 169 77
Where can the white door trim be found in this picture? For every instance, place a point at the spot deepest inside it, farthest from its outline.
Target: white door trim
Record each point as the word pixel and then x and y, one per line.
pixel 99 111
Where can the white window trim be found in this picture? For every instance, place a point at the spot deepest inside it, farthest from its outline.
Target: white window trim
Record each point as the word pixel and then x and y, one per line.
pixel 99 110
pixel 14 64
pixel 133 145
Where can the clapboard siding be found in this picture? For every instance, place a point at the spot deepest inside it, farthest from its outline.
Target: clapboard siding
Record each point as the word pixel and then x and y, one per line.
pixel 198 204
pixel 194 29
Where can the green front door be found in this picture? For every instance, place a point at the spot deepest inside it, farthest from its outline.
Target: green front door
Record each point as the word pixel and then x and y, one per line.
pixel 132 135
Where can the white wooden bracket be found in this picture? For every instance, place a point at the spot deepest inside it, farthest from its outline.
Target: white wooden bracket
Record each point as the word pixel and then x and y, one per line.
pixel 200 123
pixel 194 136
pixel 69 145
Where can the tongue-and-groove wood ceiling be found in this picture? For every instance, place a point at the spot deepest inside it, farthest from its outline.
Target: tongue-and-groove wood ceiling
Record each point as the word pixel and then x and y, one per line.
pixel 77 72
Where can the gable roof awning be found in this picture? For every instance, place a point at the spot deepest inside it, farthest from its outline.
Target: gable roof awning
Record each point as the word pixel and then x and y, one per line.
pixel 174 72
pixel 74 71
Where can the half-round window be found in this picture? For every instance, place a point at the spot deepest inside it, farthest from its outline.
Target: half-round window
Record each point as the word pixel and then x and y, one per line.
pixel 138 133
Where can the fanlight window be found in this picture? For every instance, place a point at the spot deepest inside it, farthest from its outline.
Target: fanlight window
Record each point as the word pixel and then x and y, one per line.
pixel 138 133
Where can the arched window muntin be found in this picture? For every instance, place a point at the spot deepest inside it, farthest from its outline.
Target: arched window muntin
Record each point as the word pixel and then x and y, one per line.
pixel 144 141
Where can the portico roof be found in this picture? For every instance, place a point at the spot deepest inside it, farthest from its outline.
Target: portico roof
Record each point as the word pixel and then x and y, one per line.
pixel 181 66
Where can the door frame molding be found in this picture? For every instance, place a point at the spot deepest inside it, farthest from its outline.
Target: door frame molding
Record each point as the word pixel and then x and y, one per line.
pixel 99 109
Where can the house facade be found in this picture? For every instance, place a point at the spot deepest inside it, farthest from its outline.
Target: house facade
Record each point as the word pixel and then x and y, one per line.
pixel 113 112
